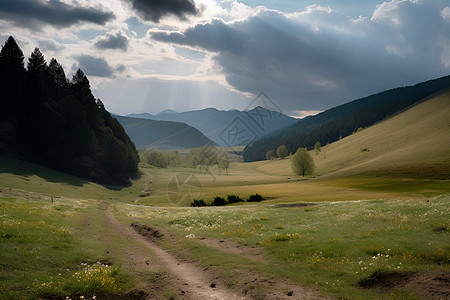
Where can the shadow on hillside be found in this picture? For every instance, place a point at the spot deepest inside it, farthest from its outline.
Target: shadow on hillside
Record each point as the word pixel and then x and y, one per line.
pixel 27 169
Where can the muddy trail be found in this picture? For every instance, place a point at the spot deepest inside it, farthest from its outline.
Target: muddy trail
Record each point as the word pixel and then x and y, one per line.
pixel 157 270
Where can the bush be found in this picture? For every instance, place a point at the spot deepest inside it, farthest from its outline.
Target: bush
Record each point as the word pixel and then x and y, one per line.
pixel 198 203
pixel 234 199
pixel 219 201
pixel 255 198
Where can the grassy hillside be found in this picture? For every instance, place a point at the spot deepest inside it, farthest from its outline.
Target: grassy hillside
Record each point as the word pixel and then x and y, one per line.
pixel 412 144
pixel 415 143
pixel 162 135
pixel 343 120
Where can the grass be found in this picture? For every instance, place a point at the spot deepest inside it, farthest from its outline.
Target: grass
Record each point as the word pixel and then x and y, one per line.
pixel 336 244
pixel 385 209
pixel 44 254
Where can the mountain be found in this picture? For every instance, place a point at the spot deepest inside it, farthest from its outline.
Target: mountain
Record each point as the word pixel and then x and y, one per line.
pixel 141 116
pixel 166 112
pixel 343 120
pixel 46 119
pixel 163 135
pixel 228 128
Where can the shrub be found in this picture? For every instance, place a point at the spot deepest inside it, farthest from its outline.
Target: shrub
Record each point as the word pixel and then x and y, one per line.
pixel 198 203
pixel 234 199
pixel 219 201
pixel 255 198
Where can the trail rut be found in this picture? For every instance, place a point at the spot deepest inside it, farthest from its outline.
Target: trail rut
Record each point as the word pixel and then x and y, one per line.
pixel 189 280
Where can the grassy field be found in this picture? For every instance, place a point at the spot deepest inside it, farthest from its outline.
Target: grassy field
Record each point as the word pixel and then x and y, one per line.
pixel 47 248
pixel 368 213
pixel 329 245
pixel 51 232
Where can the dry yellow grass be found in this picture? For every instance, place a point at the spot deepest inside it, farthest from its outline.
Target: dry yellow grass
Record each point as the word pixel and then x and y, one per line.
pixel 414 143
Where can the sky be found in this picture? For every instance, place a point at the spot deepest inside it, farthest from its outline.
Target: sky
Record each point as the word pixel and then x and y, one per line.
pixel 307 56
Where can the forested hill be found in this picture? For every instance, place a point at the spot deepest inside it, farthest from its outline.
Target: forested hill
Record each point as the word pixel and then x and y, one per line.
pixel 48 119
pixel 343 120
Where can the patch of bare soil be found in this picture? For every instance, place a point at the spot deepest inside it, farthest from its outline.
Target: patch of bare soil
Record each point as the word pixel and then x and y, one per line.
pixel 146 231
pixel 427 285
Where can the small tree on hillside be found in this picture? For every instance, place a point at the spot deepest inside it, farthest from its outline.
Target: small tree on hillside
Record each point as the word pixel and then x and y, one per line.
pixel 317 148
pixel 270 154
pixel 282 151
pixel 302 162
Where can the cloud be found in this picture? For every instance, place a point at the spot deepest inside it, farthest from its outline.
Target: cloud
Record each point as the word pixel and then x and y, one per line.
pixel 154 10
pixel 29 13
pixel 93 66
pixel 50 45
pixel 111 41
pixel 320 57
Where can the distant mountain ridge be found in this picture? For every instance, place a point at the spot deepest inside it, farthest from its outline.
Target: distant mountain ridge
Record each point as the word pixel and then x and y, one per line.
pixel 343 120
pixel 162 135
pixel 227 128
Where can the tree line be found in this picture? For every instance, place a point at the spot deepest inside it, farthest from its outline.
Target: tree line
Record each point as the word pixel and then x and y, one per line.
pixel 58 122
pixel 203 158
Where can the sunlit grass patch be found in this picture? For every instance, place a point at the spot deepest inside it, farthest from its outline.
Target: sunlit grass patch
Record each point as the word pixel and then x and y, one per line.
pixel 91 280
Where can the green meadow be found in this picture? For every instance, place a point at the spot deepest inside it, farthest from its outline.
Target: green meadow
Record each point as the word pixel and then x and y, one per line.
pixel 364 216
pixel 54 241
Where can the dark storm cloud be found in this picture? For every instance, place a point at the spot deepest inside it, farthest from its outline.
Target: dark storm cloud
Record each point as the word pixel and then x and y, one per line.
pixel 110 41
pixel 28 13
pixel 93 66
pixel 154 10
pixel 322 58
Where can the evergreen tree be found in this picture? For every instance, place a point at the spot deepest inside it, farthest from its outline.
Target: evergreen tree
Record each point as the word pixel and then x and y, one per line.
pixel 36 62
pixel 58 79
pixel 11 58
pixel 12 80
pixel 80 80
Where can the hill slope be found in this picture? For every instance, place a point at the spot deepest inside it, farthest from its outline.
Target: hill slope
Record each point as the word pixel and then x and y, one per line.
pixel 162 135
pixel 215 123
pixel 412 144
pixel 328 126
pixel 415 143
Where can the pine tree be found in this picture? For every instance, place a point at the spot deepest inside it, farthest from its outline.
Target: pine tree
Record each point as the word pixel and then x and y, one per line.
pixel 56 73
pixel 80 80
pixel 11 58
pixel 12 80
pixel 36 62
pixel 57 78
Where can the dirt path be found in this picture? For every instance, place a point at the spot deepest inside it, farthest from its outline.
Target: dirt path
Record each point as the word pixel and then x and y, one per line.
pixel 187 279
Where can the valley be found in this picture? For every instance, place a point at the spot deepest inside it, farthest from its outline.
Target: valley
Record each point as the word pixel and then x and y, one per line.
pixel 367 225
pixel 350 203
